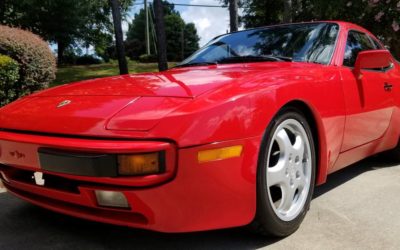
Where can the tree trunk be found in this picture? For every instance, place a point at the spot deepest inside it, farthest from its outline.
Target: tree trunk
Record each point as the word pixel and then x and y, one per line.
pixel 233 14
pixel 60 52
pixel 147 28
pixel 287 11
pixel 119 40
pixel 161 39
pixel 183 43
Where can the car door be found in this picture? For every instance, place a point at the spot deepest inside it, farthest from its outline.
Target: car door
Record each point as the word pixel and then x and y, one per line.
pixel 369 100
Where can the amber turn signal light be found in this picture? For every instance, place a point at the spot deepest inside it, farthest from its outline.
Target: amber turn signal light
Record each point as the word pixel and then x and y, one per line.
pixel 219 153
pixel 140 164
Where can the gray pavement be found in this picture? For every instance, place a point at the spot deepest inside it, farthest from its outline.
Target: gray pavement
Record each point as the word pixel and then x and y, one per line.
pixel 359 208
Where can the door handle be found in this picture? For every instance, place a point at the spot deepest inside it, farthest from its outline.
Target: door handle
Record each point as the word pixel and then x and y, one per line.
pixel 387 86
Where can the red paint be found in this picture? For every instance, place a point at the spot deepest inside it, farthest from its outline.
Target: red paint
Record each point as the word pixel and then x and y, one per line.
pixel 185 110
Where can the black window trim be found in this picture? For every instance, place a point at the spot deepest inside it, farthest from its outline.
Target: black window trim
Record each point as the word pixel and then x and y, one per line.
pixel 331 62
pixel 374 42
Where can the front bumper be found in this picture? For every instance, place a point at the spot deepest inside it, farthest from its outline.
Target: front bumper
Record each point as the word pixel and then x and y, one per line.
pixel 189 196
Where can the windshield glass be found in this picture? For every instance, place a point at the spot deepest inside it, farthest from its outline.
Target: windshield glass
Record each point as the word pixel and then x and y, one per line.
pixel 308 42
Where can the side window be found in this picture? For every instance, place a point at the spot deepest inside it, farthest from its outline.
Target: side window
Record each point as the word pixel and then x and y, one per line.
pixel 356 42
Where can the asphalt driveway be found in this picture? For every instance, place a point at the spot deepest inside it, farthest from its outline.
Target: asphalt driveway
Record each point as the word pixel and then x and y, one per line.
pixel 359 208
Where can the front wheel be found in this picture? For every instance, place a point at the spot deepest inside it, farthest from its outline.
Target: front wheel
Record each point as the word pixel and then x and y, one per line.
pixel 286 174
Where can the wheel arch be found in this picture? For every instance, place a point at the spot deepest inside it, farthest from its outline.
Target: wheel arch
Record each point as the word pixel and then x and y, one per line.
pixel 315 123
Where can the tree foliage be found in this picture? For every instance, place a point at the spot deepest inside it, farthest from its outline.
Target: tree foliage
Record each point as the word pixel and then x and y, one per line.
pixel 381 17
pixel 182 38
pixel 64 22
pixel 262 12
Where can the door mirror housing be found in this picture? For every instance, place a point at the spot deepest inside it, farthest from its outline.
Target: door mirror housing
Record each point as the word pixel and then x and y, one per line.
pixel 372 59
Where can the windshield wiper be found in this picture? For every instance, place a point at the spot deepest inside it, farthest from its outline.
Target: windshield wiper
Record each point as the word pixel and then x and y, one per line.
pixel 283 58
pixel 263 58
pixel 239 59
pixel 195 64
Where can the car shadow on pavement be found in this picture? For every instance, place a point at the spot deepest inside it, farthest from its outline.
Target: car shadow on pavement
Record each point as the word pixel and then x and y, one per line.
pixel 24 226
pixel 344 175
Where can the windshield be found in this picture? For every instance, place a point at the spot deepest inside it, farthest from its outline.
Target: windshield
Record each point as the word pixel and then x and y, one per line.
pixel 308 42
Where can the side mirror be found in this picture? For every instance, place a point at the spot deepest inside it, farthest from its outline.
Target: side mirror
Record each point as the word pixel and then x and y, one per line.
pixel 372 59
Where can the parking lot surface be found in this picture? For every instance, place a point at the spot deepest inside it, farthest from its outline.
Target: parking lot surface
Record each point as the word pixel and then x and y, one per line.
pixel 358 208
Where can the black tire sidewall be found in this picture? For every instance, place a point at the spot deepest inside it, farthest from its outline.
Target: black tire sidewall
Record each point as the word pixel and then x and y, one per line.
pixel 265 215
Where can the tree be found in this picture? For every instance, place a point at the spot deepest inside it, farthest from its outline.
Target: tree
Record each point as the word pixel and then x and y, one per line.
pixel 119 40
pixel 135 37
pixel 67 23
pixel 233 15
pixel 287 12
pixel 161 39
pixel 262 12
pixel 381 17
pixel 378 16
pixel 234 18
pixel 191 40
pixel 175 33
pixel 105 48
pixel 181 37
pixel 5 11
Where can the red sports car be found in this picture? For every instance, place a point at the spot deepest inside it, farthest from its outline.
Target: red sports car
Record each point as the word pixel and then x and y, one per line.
pixel 239 133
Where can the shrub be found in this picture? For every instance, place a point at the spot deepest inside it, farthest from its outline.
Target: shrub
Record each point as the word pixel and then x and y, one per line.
pixel 69 58
pixel 87 59
pixel 36 61
pixel 9 75
pixel 147 58
pixel 133 48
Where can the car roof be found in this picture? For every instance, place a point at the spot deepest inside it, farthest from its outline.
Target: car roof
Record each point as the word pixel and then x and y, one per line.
pixel 351 26
pixel 342 24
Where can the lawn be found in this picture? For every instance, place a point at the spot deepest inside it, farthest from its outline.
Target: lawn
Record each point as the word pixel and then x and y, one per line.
pixel 66 74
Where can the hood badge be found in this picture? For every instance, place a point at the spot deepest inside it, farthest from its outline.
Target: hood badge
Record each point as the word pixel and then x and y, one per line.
pixel 63 103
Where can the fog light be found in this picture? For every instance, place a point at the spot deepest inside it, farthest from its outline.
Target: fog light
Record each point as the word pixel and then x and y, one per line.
pixel 3 175
pixel 219 153
pixel 111 199
pixel 141 164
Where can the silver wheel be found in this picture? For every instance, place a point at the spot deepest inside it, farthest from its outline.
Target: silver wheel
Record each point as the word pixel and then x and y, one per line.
pixel 289 169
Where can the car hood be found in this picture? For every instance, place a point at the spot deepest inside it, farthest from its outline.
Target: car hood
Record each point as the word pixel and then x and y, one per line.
pixel 131 102
pixel 174 83
pixel 86 115
pixel 179 82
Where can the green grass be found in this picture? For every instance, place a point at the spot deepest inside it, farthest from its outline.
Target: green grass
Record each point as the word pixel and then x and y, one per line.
pixel 67 74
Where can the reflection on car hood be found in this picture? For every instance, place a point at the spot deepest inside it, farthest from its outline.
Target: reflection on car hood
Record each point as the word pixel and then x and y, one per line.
pixel 133 102
pixel 179 82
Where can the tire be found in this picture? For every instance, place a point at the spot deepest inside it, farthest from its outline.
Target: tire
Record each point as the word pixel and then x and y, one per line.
pixel 285 175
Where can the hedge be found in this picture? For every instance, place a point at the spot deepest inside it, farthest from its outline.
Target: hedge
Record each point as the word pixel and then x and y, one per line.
pixel 87 60
pixel 9 75
pixel 37 63
pixel 148 58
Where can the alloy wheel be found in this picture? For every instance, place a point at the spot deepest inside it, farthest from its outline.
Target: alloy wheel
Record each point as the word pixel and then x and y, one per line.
pixel 289 169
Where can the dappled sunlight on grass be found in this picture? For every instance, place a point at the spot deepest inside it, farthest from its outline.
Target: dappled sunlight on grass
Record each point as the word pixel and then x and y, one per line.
pixel 67 74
